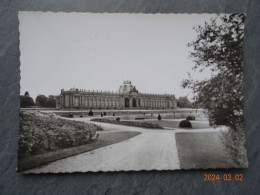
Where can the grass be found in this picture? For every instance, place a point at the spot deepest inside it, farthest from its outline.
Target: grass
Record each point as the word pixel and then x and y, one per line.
pixel 202 151
pixel 223 149
pixel 105 139
pixel 175 124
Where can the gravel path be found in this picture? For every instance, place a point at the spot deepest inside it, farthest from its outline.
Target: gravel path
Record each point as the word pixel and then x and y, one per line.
pixel 153 149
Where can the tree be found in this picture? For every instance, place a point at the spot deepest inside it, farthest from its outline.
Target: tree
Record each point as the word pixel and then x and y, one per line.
pixel 45 102
pixel 41 101
pixel 219 48
pixel 51 103
pixel 26 94
pixel 183 102
pixel 26 101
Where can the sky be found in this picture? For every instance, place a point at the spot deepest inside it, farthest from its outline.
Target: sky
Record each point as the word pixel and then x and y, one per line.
pixel 98 51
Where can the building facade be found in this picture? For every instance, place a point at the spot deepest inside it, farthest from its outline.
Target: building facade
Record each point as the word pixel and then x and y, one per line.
pixel 127 97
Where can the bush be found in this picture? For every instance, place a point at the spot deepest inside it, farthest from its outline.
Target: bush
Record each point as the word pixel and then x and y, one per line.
pixel 71 115
pixel 234 141
pixel 44 132
pixel 90 113
pixel 185 124
pixel 190 118
pixel 129 123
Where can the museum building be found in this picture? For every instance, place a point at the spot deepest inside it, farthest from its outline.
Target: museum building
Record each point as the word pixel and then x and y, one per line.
pixel 127 97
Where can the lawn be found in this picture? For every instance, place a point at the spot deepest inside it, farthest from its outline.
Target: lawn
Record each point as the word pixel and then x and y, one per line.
pixel 202 151
pixel 175 124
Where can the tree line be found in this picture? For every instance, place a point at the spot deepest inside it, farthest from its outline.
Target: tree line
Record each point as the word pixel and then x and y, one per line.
pixel 184 102
pixel 40 101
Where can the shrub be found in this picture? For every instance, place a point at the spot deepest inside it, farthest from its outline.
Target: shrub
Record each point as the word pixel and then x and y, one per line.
pixel 90 113
pixel 71 115
pixel 185 123
pixel 190 118
pixel 129 123
pixel 44 132
pixel 234 141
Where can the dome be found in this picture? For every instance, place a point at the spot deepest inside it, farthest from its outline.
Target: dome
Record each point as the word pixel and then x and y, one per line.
pixel 127 87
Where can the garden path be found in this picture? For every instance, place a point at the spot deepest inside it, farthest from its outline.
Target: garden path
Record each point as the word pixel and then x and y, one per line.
pixel 153 149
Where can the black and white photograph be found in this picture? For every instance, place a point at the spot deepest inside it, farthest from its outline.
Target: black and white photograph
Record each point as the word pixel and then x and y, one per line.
pixel 130 92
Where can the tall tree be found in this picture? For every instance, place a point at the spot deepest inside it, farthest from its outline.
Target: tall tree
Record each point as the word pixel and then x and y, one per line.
pixel 219 48
pixel 51 101
pixel 41 101
pixel 26 101
pixel 183 102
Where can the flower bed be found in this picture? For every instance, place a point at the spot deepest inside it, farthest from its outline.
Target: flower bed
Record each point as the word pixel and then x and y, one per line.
pixel 129 123
pixel 44 132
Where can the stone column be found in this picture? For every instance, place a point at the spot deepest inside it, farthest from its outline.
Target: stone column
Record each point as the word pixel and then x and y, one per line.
pixel 83 101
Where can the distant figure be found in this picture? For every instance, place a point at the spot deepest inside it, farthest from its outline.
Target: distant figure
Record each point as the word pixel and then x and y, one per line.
pixel 159 117
pixel 101 114
pixel 113 114
pixel 105 113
